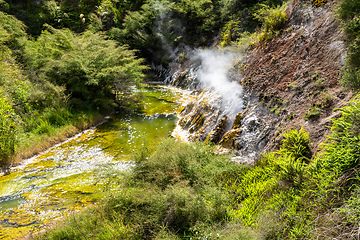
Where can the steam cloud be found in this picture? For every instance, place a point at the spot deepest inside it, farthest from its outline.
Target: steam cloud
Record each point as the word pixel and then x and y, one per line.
pixel 214 74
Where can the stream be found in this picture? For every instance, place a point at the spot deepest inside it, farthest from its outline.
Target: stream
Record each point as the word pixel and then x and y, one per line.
pixel 82 170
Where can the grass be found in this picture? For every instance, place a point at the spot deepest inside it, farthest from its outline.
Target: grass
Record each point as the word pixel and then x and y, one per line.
pixel 174 192
pixel 46 134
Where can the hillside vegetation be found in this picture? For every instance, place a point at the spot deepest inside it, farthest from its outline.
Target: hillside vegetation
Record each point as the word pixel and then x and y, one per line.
pixel 186 192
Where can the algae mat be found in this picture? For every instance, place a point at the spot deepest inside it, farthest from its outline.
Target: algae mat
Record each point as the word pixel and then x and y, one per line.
pixel 83 170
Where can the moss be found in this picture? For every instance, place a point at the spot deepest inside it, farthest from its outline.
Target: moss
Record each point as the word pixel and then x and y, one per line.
pixel 276 109
pixel 327 98
pixel 293 85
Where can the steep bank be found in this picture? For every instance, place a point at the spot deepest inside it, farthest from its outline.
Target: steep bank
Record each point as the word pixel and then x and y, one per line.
pixel 297 73
pixel 289 82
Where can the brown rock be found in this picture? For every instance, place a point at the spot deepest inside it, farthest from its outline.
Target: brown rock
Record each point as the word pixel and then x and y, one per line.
pixel 228 141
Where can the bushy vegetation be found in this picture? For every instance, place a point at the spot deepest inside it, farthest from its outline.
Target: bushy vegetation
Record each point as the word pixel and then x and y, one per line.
pixel 173 193
pixel 303 197
pixel 154 27
pixel 349 12
pixel 7 130
pixel 271 19
pixel 90 67
pixel 186 192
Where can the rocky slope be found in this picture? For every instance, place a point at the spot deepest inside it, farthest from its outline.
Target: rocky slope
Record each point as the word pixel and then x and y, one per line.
pixel 289 82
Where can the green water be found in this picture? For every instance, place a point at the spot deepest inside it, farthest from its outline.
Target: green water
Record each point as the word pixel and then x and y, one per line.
pixel 79 172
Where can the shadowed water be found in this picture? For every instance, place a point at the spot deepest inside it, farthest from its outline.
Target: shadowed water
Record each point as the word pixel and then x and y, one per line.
pixel 79 172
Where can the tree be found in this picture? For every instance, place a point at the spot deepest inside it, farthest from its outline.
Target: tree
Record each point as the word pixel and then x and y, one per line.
pixel 91 67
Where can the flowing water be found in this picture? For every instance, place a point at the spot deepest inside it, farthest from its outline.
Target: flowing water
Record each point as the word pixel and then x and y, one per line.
pixel 79 172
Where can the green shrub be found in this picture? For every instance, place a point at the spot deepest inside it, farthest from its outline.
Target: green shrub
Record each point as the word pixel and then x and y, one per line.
pixel 349 12
pixel 272 19
pixel 312 114
pixel 168 193
pixel 59 117
pixel 350 78
pixel 13 30
pixel 351 207
pixel 231 32
pixel 277 175
pixel 349 9
pixel 8 129
pixel 327 98
pixel 44 127
pixel 342 148
pixel 296 143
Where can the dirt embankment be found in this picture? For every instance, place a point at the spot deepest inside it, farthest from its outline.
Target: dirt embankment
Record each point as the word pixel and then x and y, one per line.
pixel 296 75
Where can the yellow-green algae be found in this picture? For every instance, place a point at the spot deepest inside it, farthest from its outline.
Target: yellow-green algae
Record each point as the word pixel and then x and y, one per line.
pixel 75 174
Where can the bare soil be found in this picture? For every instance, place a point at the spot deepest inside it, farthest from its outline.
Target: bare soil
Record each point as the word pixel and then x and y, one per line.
pixel 297 73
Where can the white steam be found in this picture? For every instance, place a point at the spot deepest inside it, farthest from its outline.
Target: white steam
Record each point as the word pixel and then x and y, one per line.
pixel 214 74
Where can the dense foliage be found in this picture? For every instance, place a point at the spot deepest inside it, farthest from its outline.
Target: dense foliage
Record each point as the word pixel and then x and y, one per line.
pixel 272 19
pixel 155 27
pixel 7 130
pixel 175 192
pixel 90 67
pixel 349 12
pixel 44 82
